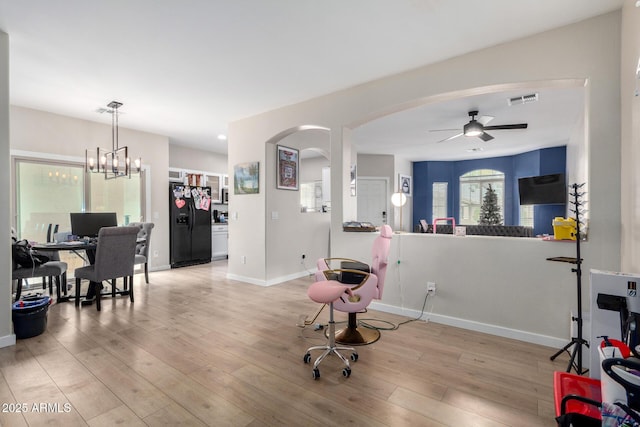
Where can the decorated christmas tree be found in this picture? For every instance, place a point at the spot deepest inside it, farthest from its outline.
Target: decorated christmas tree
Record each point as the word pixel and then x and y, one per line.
pixel 490 211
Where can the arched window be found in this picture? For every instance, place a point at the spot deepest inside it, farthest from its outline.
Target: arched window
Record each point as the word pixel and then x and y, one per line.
pixel 473 186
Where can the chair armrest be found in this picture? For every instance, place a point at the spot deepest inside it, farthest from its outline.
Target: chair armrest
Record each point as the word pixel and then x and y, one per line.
pixel 327 260
pixel 331 274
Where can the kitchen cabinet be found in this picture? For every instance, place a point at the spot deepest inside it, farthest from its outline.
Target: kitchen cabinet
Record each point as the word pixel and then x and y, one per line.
pixel 213 181
pixel 219 241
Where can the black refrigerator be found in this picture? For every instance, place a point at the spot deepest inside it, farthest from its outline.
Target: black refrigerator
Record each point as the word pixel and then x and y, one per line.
pixel 190 224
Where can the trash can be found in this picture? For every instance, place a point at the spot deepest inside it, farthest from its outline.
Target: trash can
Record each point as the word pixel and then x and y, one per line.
pixel 30 316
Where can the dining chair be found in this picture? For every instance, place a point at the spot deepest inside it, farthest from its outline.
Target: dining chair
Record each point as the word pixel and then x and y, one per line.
pixel 53 271
pixel 114 258
pixel 143 244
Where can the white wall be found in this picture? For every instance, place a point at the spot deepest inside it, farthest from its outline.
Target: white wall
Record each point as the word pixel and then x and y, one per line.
pixel 311 168
pixel 586 50
pixel 6 330
pixel 50 135
pixel 630 182
pixel 292 233
pixel 181 157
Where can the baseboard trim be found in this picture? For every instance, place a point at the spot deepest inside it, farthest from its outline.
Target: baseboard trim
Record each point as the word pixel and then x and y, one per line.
pixel 158 268
pixel 244 279
pixel 283 279
pixel 486 328
pixel 270 282
pixel 8 340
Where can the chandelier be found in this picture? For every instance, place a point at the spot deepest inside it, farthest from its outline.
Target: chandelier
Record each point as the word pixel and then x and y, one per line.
pixel 115 163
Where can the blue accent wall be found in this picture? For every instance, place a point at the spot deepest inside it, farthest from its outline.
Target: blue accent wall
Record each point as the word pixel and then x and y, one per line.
pixel 539 162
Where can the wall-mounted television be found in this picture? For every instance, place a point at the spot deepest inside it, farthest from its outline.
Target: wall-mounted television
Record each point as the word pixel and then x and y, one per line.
pixel 543 190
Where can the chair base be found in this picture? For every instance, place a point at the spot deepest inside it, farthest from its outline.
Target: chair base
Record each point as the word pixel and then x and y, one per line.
pixel 327 350
pixel 331 348
pixel 353 335
pixel 357 336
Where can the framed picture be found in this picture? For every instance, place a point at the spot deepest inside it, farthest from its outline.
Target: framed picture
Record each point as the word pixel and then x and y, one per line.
pixel 405 184
pixel 353 180
pixel 246 178
pixel 288 163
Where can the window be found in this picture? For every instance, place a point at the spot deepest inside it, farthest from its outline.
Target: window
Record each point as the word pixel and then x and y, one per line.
pixel 311 196
pixel 121 195
pixel 439 200
pixel 526 215
pixel 46 192
pixel 473 186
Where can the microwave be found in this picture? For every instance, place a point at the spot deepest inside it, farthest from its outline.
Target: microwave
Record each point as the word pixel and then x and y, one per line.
pixel 225 195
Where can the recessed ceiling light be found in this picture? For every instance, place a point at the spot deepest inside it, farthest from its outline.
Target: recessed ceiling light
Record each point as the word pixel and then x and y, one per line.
pixel 222 137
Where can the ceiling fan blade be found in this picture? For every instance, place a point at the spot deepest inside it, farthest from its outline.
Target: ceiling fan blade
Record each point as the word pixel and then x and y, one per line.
pixel 483 120
pixel 503 127
pixel 451 137
pixel 443 130
pixel 485 137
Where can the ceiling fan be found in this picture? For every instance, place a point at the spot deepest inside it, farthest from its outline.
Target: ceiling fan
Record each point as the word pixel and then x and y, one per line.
pixel 477 127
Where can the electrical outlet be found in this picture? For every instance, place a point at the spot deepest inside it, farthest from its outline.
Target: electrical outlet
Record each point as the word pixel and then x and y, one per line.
pixel 243 259
pixel 431 288
pixel 155 254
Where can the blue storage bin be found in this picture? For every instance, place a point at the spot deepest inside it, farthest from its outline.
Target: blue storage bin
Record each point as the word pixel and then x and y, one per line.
pixel 30 316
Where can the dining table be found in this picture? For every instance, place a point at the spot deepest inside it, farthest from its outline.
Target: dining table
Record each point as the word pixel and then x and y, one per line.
pixel 85 249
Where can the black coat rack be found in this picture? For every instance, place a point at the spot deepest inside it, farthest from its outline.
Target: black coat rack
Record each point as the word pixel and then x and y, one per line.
pixel 576 342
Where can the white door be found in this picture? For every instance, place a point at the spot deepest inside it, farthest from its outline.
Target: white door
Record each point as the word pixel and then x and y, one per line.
pixel 373 200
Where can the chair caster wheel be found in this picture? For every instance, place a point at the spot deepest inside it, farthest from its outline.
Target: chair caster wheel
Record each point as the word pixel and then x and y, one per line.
pixel 316 373
pixel 354 357
pixel 307 358
pixel 346 372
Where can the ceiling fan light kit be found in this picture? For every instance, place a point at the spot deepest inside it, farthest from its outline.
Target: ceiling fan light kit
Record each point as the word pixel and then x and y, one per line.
pixel 478 127
pixel 473 128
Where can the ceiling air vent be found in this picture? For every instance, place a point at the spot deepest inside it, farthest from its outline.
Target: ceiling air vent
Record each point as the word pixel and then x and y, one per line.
pixel 524 99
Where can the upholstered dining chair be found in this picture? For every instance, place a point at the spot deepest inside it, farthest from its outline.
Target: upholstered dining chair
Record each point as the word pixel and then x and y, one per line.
pixel 114 258
pixel 53 271
pixel 142 247
pixel 368 286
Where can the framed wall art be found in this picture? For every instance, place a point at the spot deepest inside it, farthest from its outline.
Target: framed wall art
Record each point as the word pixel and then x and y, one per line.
pixel 405 184
pixel 246 178
pixel 288 165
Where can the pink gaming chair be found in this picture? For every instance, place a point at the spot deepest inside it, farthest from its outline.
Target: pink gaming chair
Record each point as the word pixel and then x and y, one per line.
pixel 349 298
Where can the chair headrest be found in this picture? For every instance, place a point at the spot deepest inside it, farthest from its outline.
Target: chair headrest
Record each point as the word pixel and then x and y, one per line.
pixel 386 232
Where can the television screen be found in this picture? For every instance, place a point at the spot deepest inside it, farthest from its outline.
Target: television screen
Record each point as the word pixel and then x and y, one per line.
pixel 543 190
pixel 88 224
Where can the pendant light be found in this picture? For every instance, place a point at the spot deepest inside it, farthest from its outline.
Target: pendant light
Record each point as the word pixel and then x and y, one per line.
pixel 115 163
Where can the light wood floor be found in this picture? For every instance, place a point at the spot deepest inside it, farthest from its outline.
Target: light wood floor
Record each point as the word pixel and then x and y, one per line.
pixel 198 349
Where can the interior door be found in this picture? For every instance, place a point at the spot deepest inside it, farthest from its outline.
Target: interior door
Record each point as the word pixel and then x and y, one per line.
pixel 373 200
